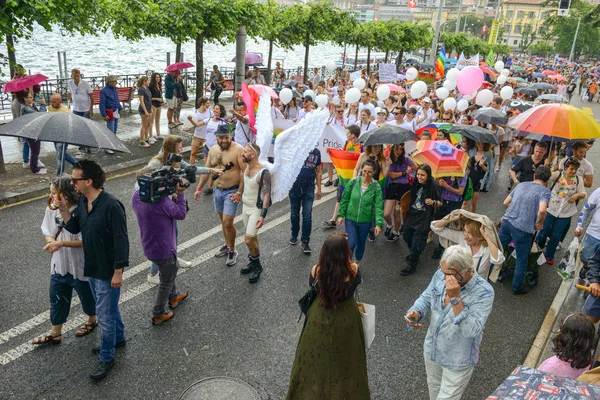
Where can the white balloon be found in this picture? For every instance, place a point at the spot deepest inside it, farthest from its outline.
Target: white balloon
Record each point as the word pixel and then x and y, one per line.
pixel 330 65
pixel 359 83
pixel 442 93
pixel 499 66
pixel 411 74
pixel 501 80
pixel 450 103
pixel 352 95
pixel 383 92
pixel 505 72
pixel 450 84
pixel 452 74
pixel 322 100
pixel 309 93
pixel 418 89
pixel 506 93
pixel 484 97
pixel 462 105
pixel 285 95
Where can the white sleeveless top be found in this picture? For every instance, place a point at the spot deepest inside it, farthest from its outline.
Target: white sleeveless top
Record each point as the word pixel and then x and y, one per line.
pixel 250 194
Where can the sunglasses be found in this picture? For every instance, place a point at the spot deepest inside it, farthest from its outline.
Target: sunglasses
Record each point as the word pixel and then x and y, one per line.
pixel 397 113
pixel 340 111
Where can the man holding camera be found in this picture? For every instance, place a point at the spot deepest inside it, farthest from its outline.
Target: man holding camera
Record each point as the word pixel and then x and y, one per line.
pixel 228 187
pixel 158 237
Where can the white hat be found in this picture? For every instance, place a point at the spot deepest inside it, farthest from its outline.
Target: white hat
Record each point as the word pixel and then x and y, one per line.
pixel 427 100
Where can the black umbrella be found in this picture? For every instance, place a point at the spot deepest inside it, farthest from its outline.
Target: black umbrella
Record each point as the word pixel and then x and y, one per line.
pixel 426 66
pixel 555 98
pixel 387 134
pixel 490 116
pixel 520 105
pixel 542 86
pixel 63 127
pixel 527 91
pixel 476 133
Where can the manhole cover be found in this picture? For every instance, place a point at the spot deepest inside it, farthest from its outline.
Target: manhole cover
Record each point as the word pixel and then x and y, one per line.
pixel 220 388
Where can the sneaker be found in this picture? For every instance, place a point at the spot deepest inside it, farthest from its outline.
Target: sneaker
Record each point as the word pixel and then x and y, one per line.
pixel 329 224
pixel 41 172
pixel 25 165
pixel 144 144
pixel 231 258
pixel 153 280
pixel 223 251
pixel 40 164
pixel 96 349
pixel 408 271
pixel 109 152
pixel 181 263
pixel 163 318
pixel 172 125
pixel 497 169
pixel 393 237
pixel 559 246
pixel 550 261
pixel 329 183
pixel 178 123
pixel 180 297
pixel 151 140
pixel 336 183
pixel 101 370
pixel 305 248
pixel 371 235
pixel 294 241
pixel 387 231
pixel 160 138
pixel 520 291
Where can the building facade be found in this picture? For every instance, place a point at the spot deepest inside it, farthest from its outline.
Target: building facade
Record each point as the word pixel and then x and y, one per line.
pixel 520 16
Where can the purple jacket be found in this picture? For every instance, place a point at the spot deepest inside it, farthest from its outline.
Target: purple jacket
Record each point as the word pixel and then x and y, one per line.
pixel 157 225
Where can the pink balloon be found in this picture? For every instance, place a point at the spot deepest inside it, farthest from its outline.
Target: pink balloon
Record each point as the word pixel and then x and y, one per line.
pixel 469 79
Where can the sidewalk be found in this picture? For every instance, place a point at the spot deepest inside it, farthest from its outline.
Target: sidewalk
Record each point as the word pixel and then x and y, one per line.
pixel 19 184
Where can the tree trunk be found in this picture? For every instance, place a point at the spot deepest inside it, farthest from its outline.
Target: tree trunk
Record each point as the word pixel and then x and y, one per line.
pixel 387 54
pixel 356 57
pixel 199 67
pixel 306 48
pixel 178 52
pixel 400 56
pixel 269 59
pixel 12 60
pixel 368 61
pixel 344 58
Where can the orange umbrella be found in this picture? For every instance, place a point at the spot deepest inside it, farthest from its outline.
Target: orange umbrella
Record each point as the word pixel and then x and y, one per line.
pixel 559 121
pixel 549 72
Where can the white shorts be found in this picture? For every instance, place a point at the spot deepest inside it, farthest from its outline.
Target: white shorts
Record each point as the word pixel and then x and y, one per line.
pixel 251 216
pixel 173 103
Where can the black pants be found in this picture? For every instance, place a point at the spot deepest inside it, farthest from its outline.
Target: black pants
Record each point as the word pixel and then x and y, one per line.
pixel 217 93
pixel 416 241
pixel 441 212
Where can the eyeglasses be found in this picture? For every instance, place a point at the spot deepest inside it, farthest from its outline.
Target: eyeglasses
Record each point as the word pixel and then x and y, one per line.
pixel 461 278
pixel 340 111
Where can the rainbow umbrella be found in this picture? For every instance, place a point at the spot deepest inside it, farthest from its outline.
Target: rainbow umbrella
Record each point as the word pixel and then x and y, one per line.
pixel 443 158
pixel 557 120
pixel 434 127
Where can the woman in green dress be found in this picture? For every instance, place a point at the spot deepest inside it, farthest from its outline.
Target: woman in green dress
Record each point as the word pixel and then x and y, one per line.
pixel 330 361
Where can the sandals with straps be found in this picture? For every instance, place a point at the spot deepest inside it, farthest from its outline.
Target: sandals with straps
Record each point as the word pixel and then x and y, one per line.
pixel 86 329
pixel 47 339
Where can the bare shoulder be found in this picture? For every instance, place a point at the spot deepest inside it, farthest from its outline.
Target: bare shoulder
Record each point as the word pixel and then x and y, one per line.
pixel 314 270
pixel 354 267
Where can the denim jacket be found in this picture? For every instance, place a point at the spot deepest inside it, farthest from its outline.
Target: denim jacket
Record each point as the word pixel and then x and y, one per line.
pixel 453 341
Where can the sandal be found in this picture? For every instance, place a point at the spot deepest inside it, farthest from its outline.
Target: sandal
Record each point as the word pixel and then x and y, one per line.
pixel 47 339
pixel 86 328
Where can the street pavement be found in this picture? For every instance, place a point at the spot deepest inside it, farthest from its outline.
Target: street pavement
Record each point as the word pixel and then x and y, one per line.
pixel 231 328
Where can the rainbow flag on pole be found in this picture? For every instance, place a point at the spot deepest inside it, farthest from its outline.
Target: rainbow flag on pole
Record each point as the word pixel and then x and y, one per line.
pixel 344 162
pixel 440 64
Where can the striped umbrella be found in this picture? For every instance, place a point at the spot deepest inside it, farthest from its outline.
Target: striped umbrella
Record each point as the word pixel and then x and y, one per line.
pixel 443 158
pixel 434 127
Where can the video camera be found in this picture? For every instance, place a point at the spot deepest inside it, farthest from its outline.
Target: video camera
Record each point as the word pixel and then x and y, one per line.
pixel 163 181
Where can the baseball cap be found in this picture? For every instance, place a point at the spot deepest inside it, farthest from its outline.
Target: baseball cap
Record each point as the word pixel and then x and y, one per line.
pixel 222 130
pixel 427 100
pixel 307 98
pixel 111 78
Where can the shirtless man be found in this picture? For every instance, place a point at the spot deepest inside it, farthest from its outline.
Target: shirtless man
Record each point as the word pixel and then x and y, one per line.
pixel 256 201
pixel 228 187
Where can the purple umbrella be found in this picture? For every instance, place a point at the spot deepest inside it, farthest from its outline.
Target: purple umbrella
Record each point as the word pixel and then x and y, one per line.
pixel 251 59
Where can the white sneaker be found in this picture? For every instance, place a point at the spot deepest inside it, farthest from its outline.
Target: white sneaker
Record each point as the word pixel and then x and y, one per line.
pixel 40 164
pixel 144 145
pixel 181 263
pixel 41 172
pixel 153 280
pixel 160 138
pixel 25 165
pixel 497 169
pixel 151 140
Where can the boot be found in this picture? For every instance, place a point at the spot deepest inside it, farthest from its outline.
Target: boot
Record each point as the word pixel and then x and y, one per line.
pixel 256 271
pixel 250 266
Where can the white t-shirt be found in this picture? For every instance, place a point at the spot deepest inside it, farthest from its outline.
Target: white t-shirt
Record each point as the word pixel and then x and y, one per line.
pixel 426 121
pixel 276 113
pixel 585 167
pixel 80 94
pixel 200 131
pixel 211 128
pixel 369 106
pixel 367 127
pixel 411 126
pixel 594 227
pixel 351 119
pixel 243 134
pixel 302 114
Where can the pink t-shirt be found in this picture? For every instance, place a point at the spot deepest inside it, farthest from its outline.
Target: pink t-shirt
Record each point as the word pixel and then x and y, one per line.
pixel 556 366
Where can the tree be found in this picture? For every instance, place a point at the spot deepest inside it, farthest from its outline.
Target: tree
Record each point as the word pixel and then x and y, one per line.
pixel 345 29
pixel 563 29
pixel 456 41
pixel 499 48
pixel 367 36
pixel 474 24
pixel 528 35
pixel 274 29
pixel 542 49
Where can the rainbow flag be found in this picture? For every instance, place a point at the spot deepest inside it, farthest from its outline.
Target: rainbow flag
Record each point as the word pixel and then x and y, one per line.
pixel 344 162
pixel 427 78
pixel 440 64
pixel 251 98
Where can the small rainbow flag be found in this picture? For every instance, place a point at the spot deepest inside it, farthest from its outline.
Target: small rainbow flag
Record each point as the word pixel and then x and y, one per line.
pixel 251 98
pixel 344 162
pixel 440 64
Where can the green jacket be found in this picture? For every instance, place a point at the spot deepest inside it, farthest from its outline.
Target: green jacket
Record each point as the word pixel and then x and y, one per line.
pixel 361 209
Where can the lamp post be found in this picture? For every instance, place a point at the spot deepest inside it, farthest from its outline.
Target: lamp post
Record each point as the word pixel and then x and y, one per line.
pixel 458 17
pixel 572 54
pixel 436 35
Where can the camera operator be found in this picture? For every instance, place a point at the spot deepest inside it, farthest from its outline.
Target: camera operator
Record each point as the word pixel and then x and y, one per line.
pixel 158 238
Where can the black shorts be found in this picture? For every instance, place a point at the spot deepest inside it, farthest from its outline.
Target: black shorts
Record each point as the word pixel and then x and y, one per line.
pixel 395 191
pixel 504 144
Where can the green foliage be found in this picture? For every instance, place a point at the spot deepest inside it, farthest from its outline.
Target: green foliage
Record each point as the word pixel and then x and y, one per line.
pixel 474 24
pixel 499 48
pixel 563 29
pixel 542 49
pixel 456 42
pixel 528 35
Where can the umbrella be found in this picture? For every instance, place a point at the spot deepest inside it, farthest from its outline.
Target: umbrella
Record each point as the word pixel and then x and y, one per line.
pixel 179 66
pixel 23 83
pixel 515 79
pixel 490 116
pixel 63 127
pixel 412 61
pixel 251 59
pixel 443 158
pixel 476 133
pixel 433 129
pixel 394 88
pixel 557 120
pixel 426 66
pixel 527 91
pixel 488 70
pixel 520 105
pixel 558 78
pixel 517 68
pixel 555 98
pixel 539 75
pixel 387 134
pixel 548 72
pixel 262 88
pixel 542 86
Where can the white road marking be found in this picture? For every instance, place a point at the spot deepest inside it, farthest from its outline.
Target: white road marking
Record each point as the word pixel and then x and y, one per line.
pixel 77 320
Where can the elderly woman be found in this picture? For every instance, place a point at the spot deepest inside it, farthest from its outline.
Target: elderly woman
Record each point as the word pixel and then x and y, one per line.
pixel 66 266
pixel 472 237
pixel 28 106
pixel 459 302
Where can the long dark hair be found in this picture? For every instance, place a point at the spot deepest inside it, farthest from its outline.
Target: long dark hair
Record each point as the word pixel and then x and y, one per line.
pixel 575 341
pixel 153 81
pixel 429 181
pixel 400 159
pixel 334 268
pixel 65 185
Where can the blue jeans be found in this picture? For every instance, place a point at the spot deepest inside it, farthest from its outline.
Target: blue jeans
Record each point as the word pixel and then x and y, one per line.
pixel 154 267
pixel 61 151
pixel 109 318
pixel 61 292
pixel 112 125
pixel 357 237
pixel 303 197
pixel 85 114
pixel 553 228
pixel 26 152
pixel 523 241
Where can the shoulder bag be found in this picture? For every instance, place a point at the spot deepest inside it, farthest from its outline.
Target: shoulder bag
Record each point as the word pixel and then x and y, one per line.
pixel 306 301
pixel 367 317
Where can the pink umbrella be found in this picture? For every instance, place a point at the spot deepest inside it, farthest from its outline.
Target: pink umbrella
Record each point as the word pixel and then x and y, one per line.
pixel 251 59
pixel 261 88
pixel 594 75
pixel 558 78
pixel 23 83
pixel 178 66
pixel 394 88
pixel 548 72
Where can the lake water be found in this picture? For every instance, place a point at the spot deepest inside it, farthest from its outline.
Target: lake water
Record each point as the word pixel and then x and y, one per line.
pixel 104 54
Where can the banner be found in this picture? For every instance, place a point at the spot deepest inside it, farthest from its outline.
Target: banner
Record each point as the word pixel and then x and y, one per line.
pixel 333 137
pixel 490 59
pixel 493 33
pixel 473 60
pixel 387 72
pixel 462 61
pixel 427 78
pixel 355 75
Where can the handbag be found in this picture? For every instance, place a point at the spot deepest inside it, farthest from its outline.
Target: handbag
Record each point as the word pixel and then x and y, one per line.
pixel 367 317
pixel 306 301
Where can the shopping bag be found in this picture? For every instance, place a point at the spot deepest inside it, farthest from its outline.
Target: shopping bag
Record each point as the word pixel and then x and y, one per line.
pixel 367 316
pixel 566 266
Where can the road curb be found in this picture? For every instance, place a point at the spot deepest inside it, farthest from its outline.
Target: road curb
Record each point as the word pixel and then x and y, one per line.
pixel 537 348
pixel 41 190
